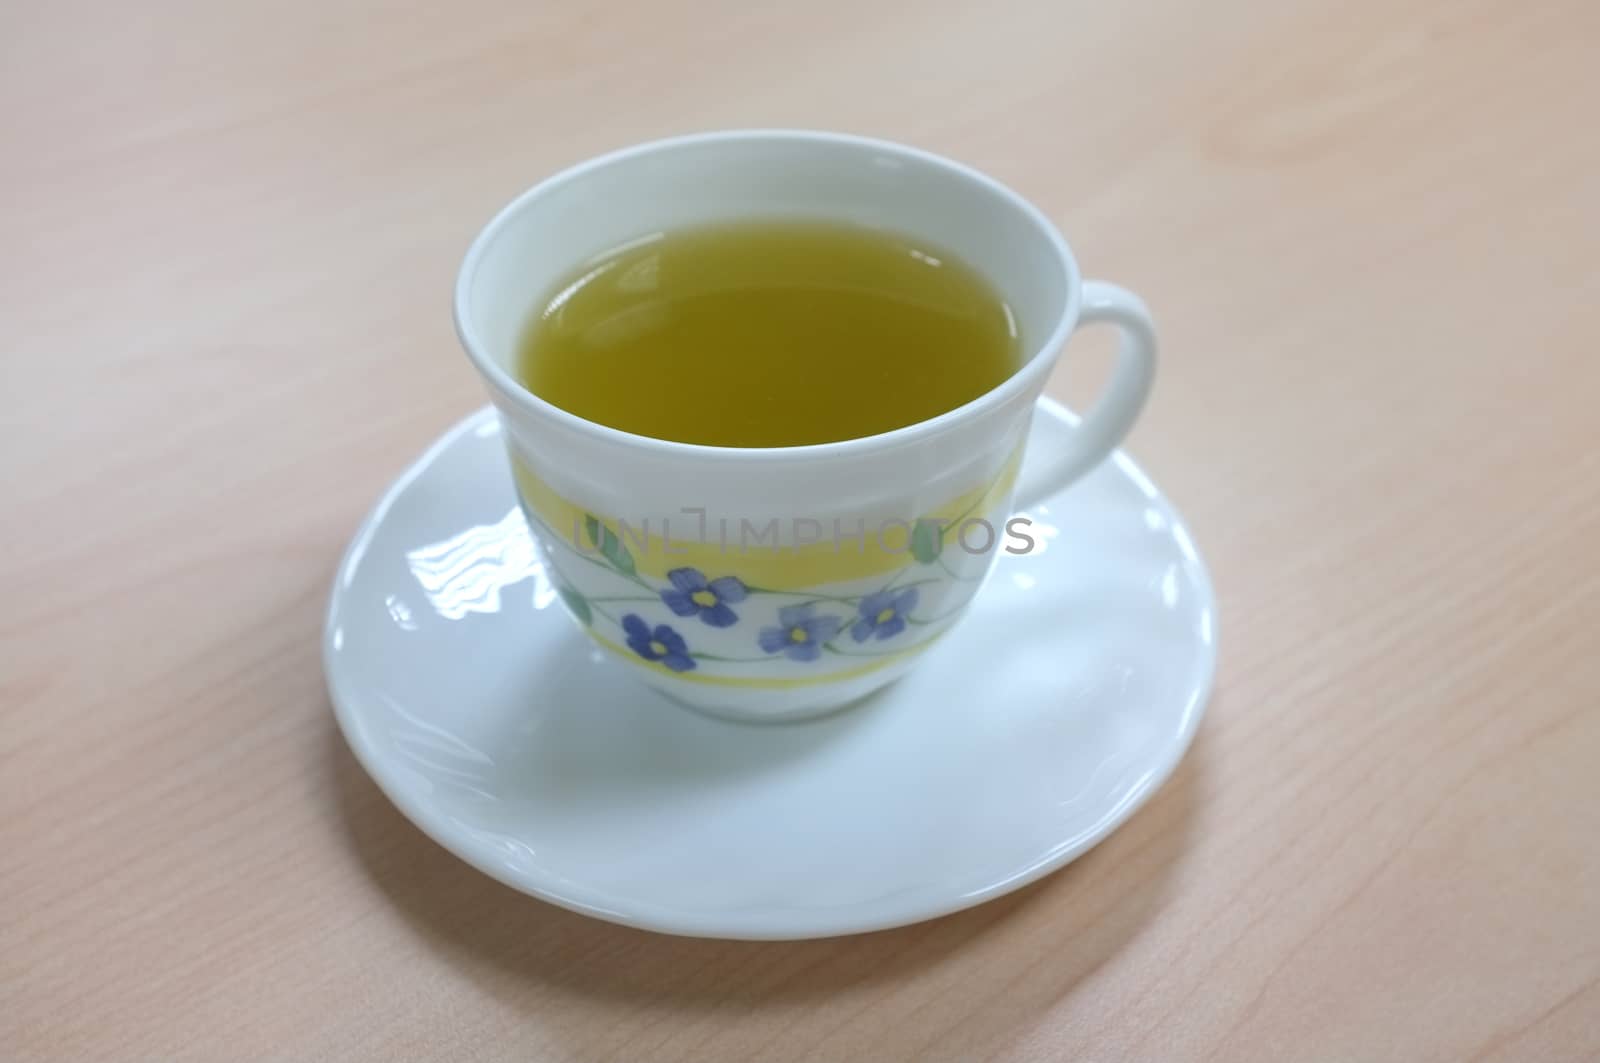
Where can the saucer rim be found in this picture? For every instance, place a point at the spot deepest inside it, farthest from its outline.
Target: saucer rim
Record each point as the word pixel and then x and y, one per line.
pixel 740 926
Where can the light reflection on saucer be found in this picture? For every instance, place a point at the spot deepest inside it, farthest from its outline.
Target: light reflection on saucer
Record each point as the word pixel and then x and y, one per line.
pixel 466 572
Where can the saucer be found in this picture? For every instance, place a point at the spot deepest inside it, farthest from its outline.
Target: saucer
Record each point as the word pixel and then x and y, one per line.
pixel 1057 706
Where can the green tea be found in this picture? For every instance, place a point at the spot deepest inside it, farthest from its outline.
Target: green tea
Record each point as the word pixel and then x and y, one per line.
pixel 768 333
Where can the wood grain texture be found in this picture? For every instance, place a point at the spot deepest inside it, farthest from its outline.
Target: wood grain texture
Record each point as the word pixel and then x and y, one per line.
pixel 1370 231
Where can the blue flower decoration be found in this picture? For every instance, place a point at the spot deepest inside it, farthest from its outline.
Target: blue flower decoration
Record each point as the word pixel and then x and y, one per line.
pixel 692 593
pixel 799 634
pixel 883 614
pixel 663 644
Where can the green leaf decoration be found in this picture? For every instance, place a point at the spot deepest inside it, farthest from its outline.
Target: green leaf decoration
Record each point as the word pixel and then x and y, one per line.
pixel 927 541
pixel 605 540
pixel 577 603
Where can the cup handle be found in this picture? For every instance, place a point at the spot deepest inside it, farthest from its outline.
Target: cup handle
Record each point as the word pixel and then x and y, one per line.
pixel 1098 434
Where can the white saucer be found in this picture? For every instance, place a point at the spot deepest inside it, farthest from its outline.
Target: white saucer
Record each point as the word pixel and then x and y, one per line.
pixel 1052 712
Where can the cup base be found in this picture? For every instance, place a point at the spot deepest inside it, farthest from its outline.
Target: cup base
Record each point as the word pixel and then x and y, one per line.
pixel 808 705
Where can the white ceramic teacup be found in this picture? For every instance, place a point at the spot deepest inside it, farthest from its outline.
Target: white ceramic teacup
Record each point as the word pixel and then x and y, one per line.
pixel 772 583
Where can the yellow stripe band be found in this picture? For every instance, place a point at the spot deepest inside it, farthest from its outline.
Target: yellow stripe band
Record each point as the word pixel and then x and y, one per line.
pixel 757 563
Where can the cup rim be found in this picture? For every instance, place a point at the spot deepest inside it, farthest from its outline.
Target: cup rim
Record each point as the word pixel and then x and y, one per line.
pixel 1034 365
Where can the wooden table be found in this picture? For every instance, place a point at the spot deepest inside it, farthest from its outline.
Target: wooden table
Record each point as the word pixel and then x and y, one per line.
pixel 1370 232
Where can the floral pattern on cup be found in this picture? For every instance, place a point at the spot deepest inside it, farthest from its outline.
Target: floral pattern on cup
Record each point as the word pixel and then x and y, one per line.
pixel 691 594
pixel 661 644
pixel 801 625
pixel 883 614
pixel 800 634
